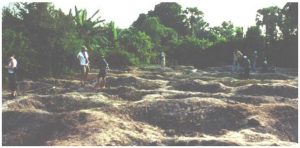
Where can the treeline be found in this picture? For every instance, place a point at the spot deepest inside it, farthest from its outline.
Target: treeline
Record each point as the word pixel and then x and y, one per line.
pixel 46 41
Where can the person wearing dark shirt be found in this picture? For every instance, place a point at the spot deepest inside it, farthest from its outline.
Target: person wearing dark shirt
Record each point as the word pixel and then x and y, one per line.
pixel 103 69
pixel 253 61
pixel 245 62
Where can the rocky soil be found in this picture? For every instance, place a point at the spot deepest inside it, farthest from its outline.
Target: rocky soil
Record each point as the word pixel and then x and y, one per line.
pixel 145 106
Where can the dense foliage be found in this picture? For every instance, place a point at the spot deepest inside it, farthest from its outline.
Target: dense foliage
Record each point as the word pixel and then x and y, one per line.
pixel 46 41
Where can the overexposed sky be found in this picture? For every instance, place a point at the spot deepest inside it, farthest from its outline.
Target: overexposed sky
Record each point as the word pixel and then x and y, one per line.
pixel 125 12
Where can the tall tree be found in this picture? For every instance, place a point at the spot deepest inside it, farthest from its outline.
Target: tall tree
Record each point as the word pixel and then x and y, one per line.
pixel 253 36
pixel 269 18
pixel 195 20
pixel 171 15
pixel 289 23
pixel 225 32
pixel 160 34
pixel 254 41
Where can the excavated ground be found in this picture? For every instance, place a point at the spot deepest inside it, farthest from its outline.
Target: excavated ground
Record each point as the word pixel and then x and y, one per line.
pixel 145 106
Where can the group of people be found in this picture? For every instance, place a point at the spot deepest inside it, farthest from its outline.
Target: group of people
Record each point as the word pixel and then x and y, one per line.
pixel 248 64
pixel 83 58
pixel 239 61
pixel 84 63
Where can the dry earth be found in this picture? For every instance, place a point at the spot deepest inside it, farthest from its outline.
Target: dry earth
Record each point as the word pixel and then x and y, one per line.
pixel 145 106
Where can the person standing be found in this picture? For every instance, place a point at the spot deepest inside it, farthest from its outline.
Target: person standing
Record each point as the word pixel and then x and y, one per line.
pixel 163 60
pixel 246 65
pixel 237 56
pixel 83 58
pixel 235 64
pixel 11 67
pixel 265 65
pixel 103 69
pixel 253 61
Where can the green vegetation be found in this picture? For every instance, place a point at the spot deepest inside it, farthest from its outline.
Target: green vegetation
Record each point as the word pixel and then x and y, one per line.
pixel 46 41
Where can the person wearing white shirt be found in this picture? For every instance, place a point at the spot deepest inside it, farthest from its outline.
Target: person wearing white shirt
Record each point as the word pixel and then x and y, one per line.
pixel 11 67
pixel 83 58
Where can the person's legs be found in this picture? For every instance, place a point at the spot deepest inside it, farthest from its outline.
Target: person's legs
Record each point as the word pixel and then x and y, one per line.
pixel 254 66
pixel 163 64
pixel 103 73
pixel 87 70
pixel 103 82
pixel 82 70
pixel 247 71
pixel 97 83
pixel 12 84
pixel 234 66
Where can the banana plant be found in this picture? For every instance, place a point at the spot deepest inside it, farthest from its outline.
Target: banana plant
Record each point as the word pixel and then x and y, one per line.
pixel 113 35
pixel 88 28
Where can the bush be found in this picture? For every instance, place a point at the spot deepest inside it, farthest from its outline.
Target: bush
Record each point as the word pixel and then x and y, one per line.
pixel 121 58
pixel 189 50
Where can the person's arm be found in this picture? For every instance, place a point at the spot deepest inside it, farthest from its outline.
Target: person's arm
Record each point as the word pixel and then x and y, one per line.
pixel 78 55
pixel 87 58
pixel 9 65
pixel 107 66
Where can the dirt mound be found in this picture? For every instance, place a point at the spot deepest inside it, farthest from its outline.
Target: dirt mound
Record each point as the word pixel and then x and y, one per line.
pixel 59 103
pixel 198 86
pixel 36 87
pixel 255 100
pixel 61 82
pixel 85 126
pixel 192 115
pixel 136 82
pixel 98 128
pixel 27 128
pixel 286 121
pixel 196 142
pixel 147 106
pixel 127 93
pixel 271 76
pixel 46 87
pixel 29 85
pixel 283 90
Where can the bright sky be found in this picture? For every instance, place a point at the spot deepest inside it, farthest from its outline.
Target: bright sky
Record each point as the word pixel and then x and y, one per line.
pixel 125 12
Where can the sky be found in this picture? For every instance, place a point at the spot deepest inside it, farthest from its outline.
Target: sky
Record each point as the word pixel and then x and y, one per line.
pixel 124 12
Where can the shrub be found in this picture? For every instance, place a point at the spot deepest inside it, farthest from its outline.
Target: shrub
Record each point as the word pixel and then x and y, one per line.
pixel 121 58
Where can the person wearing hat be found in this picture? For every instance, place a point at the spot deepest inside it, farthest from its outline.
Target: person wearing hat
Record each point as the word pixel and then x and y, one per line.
pixel 83 58
pixel 103 69
pixel 237 56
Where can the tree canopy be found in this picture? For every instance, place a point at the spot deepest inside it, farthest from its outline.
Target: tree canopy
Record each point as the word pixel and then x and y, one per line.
pixel 46 40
